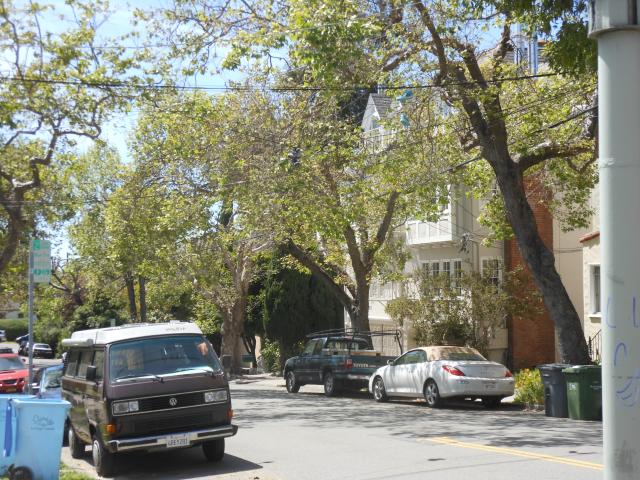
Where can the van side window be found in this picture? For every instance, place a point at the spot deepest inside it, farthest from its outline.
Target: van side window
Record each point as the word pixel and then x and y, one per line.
pixel 85 360
pixel 72 363
pixel 98 362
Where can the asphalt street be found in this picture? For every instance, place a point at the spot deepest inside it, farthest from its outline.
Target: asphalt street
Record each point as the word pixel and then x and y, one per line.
pixel 308 436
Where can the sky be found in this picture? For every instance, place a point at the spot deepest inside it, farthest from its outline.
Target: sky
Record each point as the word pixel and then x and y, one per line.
pixel 117 131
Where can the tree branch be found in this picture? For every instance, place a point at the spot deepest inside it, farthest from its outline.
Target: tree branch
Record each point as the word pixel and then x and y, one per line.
pixel 548 150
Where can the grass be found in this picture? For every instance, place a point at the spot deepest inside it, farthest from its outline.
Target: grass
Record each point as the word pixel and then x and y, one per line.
pixel 68 473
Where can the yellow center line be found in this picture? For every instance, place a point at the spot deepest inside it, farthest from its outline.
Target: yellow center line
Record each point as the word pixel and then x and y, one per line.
pixel 514 452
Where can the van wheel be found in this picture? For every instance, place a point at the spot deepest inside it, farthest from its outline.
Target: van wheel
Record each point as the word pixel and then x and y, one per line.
pixel 76 446
pixel 214 450
pixel 103 460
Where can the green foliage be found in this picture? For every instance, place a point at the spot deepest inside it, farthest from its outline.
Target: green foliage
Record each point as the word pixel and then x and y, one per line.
pixel 529 388
pixel 295 304
pixel 14 328
pixel 271 356
pixel 461 311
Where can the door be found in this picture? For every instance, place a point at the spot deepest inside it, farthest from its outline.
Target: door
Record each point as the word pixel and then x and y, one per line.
pixel 404 370
pixel 94 390
pixel 302 369
pixel 81 424
pixel 416 368
pixel 315 362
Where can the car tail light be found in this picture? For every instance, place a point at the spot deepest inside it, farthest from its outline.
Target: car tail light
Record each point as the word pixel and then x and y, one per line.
pixel 453 370
pixel 348 364
pixel 508 373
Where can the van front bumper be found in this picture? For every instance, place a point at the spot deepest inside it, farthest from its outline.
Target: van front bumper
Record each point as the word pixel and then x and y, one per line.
pixel 154 442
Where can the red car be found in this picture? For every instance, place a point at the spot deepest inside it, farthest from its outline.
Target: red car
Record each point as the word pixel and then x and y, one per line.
pixel 13 373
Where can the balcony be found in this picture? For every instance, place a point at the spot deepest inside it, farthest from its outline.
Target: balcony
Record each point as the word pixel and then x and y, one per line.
pixel 421 233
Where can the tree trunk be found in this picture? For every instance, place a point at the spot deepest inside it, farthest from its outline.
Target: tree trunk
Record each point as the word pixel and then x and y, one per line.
pixel 360 321
pixel 541 262
pixel 142 293
pixel 232 330
pixel 131 294
pixel 14 230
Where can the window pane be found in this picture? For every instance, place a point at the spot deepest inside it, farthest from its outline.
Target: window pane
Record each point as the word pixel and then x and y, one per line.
pixel 596 289
pixel 98 362
pixel 85 360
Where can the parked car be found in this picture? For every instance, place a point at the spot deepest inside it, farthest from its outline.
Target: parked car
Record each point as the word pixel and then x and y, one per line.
pixel 46 382
pixel 145 387
pixel 439 373
pixel 41 350
pixel 13 373
pixel 3 336
pixel 6 350
pixel 336 360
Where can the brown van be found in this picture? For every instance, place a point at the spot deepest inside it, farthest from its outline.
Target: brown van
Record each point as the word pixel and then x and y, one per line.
pixel 145 387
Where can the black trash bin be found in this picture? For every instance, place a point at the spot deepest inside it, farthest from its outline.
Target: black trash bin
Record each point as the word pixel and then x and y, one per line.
pixel 555 389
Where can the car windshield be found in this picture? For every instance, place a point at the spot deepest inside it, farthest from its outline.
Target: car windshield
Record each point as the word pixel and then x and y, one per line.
pixel 460 353
pixel 11 363
pixel 52 378
pixel 161 356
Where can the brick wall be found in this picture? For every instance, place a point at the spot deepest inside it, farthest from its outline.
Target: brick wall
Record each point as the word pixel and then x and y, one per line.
pixel 531 338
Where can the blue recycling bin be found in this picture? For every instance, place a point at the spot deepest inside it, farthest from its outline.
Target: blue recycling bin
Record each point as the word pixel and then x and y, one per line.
pixel 7 460
pixel 33 435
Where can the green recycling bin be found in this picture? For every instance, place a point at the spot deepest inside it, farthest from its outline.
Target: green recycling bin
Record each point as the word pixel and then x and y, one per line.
pixel 584 392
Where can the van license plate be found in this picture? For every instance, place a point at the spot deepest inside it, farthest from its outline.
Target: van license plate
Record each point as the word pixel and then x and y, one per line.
pixel 177 441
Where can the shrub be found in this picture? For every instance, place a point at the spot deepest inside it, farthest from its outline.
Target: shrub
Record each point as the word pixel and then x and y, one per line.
pixel 529 387
pixel 14 328
pixel 271 356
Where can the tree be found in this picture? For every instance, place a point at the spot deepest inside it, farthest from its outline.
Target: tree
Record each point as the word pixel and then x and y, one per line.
pixel 205 151
pixel 54 88
pixel 461 311
pixel 443 44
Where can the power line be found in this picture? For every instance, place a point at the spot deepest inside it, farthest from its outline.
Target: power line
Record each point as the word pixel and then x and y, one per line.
pixel 230 88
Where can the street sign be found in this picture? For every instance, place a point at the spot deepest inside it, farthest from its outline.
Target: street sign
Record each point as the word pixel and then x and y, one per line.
pixel 41 264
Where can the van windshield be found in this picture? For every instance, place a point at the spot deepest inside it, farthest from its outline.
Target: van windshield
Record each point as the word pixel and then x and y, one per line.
pixel 161 356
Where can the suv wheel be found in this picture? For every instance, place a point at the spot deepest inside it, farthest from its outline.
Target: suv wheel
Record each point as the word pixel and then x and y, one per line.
pixel 292 385
pixel 331 385
pixel 214 450
pixel 76 446
pixel 103 459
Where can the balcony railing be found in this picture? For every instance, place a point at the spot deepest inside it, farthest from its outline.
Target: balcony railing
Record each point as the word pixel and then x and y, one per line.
pixel 430 232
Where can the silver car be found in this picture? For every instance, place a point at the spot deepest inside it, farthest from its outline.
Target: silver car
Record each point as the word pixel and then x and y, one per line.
pixel 440 372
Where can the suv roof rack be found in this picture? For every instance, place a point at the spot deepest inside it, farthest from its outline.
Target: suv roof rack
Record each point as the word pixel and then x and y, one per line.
pixel 355 333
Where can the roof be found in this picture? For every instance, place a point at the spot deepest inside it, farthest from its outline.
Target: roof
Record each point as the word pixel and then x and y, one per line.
pixel 381 102
pixel 102 336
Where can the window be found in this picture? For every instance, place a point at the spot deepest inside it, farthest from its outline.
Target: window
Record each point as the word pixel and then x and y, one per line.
pixel 457 276
pixel 72 363
pixel 86 357
pixel 311 346
pixel 492 270
pixel 446 268
pixel 98 362
pixel 595 289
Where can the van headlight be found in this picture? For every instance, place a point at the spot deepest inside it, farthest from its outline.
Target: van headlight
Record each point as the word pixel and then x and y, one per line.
pixel 120 408
pixel 216 396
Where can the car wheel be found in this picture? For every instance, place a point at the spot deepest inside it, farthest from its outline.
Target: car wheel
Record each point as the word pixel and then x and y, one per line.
pixel 331 386
pixel 292 384
pixel 103 460
pixel 214 450
pixel 76 446
pixel 432 394
pixel 491 402
pixel 379 393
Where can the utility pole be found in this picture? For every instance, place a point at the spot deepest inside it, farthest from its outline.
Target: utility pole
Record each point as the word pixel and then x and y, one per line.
pixel 39 272
pixel 614 24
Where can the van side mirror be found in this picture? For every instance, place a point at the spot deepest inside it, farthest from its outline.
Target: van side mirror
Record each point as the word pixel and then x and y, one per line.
pixel 90 376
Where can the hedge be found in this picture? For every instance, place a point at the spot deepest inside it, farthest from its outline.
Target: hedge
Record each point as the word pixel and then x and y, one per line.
pixel 14 328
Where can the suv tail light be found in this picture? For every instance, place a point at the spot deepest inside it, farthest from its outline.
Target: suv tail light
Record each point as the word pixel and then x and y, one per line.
pixel 453 370
pixel 348 364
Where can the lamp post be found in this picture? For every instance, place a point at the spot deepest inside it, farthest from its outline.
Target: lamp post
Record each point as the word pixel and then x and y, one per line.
pixel 614 24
